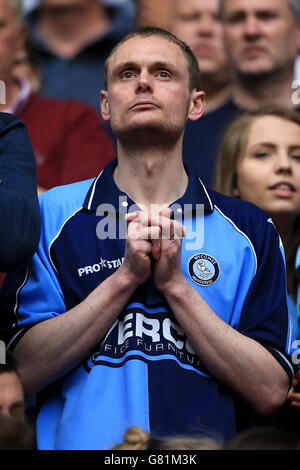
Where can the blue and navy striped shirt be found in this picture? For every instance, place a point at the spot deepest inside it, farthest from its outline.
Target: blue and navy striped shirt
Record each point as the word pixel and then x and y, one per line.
pixel 145 372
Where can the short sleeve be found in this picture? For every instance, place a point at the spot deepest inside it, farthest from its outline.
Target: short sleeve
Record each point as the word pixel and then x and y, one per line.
pixel 29 295
pixel 265 316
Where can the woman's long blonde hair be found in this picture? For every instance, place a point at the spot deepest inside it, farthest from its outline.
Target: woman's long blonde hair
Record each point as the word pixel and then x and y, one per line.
pixel 233 145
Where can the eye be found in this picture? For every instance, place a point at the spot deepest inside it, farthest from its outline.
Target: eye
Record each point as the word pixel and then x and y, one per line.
pixel 260 155
pixel 126 75
pixel 235 18
pixel 267 15
pixel 163 74
pixel 190 17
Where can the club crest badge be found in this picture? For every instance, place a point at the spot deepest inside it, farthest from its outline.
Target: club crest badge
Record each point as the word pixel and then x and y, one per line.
pixel 203 269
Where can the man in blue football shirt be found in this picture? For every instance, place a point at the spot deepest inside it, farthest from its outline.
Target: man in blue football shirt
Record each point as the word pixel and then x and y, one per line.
pixel 153 328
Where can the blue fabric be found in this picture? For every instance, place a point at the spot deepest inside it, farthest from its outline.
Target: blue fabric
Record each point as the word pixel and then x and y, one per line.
pixel 145 372
pixel 295 306
pixel 20 213
pixel 294 312
pixel 202 139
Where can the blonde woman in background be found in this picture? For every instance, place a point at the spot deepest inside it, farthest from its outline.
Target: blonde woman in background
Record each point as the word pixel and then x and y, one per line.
pixel 259 161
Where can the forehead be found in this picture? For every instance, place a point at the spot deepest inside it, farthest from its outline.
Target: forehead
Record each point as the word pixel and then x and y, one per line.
pixel 9 380
pixel 274 129
pixel 6 8
pixel 146 50
pixel 197 5
pixel 255 5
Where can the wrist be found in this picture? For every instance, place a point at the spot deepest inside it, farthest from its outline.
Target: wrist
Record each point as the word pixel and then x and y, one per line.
pixel 126 279
pixel 174 288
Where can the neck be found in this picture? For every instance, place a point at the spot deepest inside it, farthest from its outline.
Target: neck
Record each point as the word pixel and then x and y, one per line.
pixel 284 224
pixel 250 91
pixel 216 94
pixel 68 29
pixel 151 176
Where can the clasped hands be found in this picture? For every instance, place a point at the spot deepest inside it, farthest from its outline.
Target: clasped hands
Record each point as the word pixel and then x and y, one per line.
pixel 153 242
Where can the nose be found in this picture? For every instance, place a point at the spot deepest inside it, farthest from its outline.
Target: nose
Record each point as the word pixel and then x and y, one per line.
pixel 205 25
pixel 283 163
pixel 144 84
pixel 251 27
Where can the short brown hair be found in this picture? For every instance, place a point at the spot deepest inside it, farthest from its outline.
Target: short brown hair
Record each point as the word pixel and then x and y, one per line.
pixel 193 66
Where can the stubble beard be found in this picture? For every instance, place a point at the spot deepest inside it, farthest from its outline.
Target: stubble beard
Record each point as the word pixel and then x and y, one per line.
pixel 160 135
pixel 272 73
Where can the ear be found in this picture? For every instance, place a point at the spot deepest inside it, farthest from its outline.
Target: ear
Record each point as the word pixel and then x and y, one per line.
pixel 104 104
pixel 235 191
pixel 197 105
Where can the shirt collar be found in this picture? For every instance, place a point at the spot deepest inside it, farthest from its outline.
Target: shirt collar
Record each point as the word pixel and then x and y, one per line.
pixel 105 193
pixel 22 98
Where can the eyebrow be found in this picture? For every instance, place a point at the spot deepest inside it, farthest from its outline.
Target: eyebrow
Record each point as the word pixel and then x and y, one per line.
pixel 240 12
pixel 265 144
pixel 155 65
pixel 125 65
pixel 272 145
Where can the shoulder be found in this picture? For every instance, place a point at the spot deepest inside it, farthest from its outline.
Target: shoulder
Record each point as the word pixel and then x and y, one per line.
pixel 238 209
pixel 69 194
pixel 14 138
pixel 61 202
pixel 8 120
pixel 245 217
pixel 58 206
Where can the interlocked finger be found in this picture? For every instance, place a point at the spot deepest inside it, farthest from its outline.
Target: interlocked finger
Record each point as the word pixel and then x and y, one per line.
pixel 169 229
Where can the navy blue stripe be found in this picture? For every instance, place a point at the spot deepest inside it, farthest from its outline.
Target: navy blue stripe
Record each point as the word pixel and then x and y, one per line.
pixel 284 364
pixel 116 365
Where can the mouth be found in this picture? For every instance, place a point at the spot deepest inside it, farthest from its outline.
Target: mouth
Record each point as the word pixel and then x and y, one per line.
pixel 253 51
pixel 283 189
pixel 204 50
pixel 140 105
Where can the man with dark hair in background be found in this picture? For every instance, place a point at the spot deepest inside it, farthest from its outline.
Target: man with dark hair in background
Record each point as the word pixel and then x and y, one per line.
pixel 262 41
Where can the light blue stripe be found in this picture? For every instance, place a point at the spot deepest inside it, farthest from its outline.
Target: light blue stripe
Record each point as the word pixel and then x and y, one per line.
pixel 150 358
